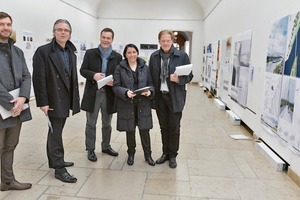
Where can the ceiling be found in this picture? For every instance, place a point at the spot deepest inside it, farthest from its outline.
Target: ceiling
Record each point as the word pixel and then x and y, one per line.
pixel 206 6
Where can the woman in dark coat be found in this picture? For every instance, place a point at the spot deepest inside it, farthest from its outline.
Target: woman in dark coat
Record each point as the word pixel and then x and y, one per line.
pixel 134 108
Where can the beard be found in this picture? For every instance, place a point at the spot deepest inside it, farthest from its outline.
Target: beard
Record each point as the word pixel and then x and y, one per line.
pixel 4 35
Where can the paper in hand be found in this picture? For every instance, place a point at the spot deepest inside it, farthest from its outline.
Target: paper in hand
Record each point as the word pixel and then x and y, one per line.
pixel 6 113
pixel 141 90
pixel 183 70
pixel 103 81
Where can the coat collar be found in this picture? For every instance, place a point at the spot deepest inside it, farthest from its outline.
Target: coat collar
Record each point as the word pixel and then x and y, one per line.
pixel 140 63
pixel 69 45
pixel 176 52
pixel 112 55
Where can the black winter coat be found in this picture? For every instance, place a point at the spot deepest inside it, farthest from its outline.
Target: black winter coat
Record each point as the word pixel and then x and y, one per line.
pixel 51 82
pixel 123 81
pixel 92 63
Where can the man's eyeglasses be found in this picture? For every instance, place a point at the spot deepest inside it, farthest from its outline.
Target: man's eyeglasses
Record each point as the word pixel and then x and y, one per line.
pixel 63 30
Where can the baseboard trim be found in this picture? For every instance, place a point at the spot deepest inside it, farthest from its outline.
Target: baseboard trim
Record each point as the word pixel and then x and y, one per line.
pixel 293 176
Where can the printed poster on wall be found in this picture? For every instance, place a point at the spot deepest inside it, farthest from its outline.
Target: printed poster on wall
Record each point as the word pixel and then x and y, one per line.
pixel 28 46
pixel 214 70
pixel 240 68
pixel 208 65
pixel 225 69
pixel 281 108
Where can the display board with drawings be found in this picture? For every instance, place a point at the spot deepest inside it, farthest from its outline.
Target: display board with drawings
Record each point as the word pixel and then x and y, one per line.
pixel 281 108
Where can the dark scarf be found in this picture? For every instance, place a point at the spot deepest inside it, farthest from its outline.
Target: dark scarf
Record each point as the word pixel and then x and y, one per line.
pixel 164 67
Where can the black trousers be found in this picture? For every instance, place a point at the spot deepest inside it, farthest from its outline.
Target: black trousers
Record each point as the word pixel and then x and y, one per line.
pixel 55 147
pixel 145 140
pixel 169 125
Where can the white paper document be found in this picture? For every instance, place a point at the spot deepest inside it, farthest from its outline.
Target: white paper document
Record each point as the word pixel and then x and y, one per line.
pixel 49 124
pixel 6 113
pixel 183 70
pixel 239 137
pixel 103 81
pixel 141 90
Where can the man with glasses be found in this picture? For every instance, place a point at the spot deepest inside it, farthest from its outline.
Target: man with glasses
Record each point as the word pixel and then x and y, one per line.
pixel 56 91
pixel 98 63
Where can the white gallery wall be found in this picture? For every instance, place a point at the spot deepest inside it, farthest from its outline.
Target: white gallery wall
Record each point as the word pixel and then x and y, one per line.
pixel 38 17
pixel 235 16
pixel 139 22
pixel 136 22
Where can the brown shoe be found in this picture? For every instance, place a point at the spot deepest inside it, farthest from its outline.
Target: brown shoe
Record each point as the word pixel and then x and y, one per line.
pixel 15 185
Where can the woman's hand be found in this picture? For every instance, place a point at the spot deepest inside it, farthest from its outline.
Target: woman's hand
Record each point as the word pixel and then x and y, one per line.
pixel 147 93
pixel 130 94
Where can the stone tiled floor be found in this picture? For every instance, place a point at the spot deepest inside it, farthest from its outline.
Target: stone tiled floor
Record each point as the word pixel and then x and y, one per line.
pixel 211 165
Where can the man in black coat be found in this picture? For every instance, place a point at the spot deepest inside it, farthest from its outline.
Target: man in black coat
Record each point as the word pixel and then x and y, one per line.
pixel 97 64
pixel 56 91
pixel 170 93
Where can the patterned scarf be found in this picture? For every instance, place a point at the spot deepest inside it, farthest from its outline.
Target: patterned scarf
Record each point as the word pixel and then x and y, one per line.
pixel 164 67
pixel 105 55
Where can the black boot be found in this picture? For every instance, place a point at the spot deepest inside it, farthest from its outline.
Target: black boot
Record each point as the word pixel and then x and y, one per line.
pixel 150 160
pixel 130 159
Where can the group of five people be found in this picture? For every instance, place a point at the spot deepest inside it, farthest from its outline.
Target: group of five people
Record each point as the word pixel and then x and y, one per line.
pixel 56 92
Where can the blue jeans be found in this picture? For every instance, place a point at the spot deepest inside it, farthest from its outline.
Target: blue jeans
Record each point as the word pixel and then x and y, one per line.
pixel 92 117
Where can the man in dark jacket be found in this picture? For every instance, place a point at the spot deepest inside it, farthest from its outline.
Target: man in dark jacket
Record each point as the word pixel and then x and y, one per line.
pixel 98 63
pixel 170 93
pixel 56 91
pixel 14 76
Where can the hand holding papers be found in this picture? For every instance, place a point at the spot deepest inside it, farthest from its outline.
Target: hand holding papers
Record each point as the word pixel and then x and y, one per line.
pixel 141 90
pixel 6 113
pixel 183 70
pixel 103 81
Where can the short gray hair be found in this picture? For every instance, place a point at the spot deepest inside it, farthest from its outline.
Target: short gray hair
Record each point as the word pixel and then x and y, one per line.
pixel 62 21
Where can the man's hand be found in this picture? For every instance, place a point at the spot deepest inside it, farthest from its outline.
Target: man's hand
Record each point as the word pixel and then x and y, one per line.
pixel 110 83
pixel 174 78
pixel 98 76
pixel 18 106
pixel 45 109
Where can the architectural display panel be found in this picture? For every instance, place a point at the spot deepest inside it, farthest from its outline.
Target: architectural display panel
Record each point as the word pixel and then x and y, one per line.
pixel 281 107
pixel 240 68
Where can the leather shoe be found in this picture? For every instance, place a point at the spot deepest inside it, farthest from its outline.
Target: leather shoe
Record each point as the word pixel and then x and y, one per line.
pixel 110 152
pixel 15 185
pixel 92 156
pixel 150 161
pixel 172 162
pixel 68 164
pixel 162 159
pixel 130 160
pixel 66 177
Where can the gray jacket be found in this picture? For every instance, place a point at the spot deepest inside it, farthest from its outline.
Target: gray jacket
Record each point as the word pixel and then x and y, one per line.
pixel 177 90
pixel 19 78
